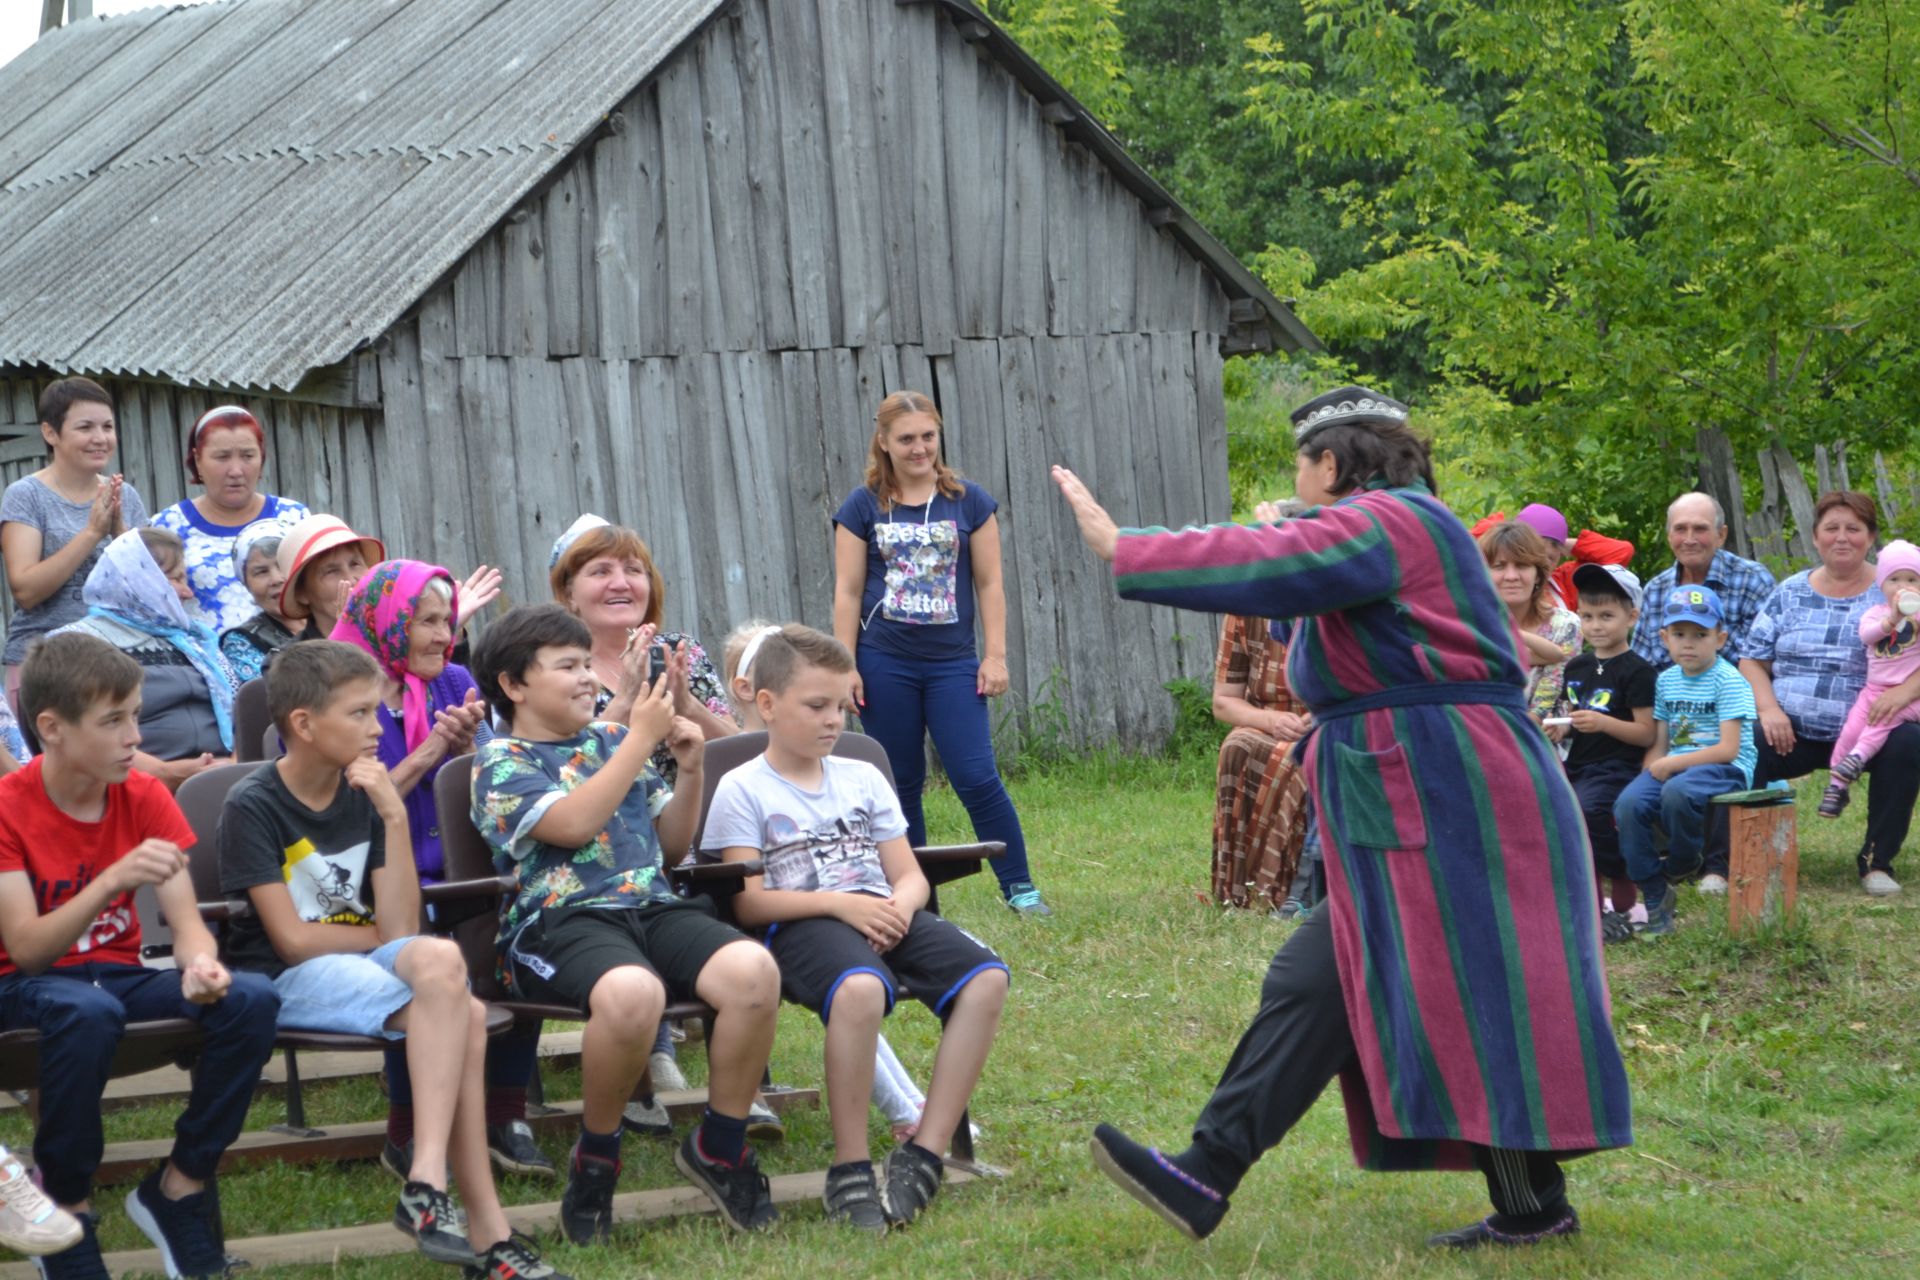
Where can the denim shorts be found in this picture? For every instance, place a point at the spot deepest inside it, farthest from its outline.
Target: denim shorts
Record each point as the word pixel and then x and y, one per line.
pixel 346 993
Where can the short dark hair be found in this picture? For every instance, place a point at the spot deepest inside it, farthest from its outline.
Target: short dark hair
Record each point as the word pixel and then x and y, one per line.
pixel 792 647
pixel 304 676
pixel 67 392
pixel 1864 508
pixel 1608 592
pixel 1364 450
pixel 68 674
pixel 509 646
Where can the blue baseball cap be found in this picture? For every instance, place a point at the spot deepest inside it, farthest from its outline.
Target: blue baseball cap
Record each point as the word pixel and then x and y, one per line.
pixel 1694 604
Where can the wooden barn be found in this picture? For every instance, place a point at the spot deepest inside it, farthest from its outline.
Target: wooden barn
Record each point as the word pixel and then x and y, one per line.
pixel 482 265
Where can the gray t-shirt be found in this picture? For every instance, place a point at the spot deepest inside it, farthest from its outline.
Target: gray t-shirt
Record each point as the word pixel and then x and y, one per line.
pixel 826 840
pixel 30 501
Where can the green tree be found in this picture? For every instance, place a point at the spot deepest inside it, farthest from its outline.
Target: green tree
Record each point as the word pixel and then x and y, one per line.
pixel 1613 222
pixel 1078 42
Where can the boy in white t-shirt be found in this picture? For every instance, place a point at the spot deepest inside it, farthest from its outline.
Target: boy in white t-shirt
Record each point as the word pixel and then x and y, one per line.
pixel 842 901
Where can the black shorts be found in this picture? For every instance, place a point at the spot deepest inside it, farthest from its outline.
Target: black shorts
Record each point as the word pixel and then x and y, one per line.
pixel 936 958
pixel 564 951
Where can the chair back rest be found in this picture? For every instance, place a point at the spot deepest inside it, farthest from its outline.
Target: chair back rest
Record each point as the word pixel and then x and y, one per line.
pixel 201 798
pixel 724 755
pixel 467 856
pixel 250 721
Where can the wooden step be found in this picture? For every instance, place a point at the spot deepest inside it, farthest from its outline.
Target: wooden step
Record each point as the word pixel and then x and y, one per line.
pixel 363 1140
pixel 381 1238
pixel 557 1048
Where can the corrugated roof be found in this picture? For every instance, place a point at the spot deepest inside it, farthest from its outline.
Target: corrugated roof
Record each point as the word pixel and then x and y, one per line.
pixel 239 193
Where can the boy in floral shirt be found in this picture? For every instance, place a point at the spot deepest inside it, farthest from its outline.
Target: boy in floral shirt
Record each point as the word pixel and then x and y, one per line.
pixel 572 811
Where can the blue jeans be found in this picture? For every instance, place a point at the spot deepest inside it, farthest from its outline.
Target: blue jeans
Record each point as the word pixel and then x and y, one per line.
pixel 1679 806
pixel 905 700
pixel 80 1011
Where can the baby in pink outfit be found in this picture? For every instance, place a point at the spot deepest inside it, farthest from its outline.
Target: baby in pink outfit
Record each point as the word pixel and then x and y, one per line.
pixel 1891 632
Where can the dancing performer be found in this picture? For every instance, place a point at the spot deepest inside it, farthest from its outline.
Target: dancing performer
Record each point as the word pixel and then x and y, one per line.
pixel 1452 981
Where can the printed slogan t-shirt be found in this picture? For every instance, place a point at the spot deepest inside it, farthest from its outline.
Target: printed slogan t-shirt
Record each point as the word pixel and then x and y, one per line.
pixel 918 602
pixel 62 855
pixel 826 840
pixel 326 859
pixel 1693 707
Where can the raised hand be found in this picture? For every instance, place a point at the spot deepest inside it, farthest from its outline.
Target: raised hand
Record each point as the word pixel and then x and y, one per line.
pixel 100 515
pixel 652 715
pixel 1096 526
pixel 688 744
pixel 481 589
pixel 149 862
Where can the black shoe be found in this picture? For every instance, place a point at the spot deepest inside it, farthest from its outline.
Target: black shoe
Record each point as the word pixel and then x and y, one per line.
pixel 852 1197
pixel 515 1258
pixel 1616 926
pixel 909 1180
pixel 1480 1234
pixel 1659 919
pixel 181 1229
pixel 78 1262
pixel 739 1192
pixel 398 1160
pixel 513 1149
pixel 1152 1179
pixel 435 1223
pixel 1834 802
pixel 586 1207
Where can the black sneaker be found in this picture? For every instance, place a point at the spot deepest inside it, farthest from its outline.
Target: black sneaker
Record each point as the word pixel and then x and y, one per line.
pixel 1659 918
pixel 852 1197
pixel 1850 768
pixel 513 1149
pixel 1479 1235
pixel 1833 802
pixel 740 1192
pixel 397 1160
pixel 909 1180
pixel 78 1262
pixel 435 1223
pixel 1616 926
pixel 181 1229
pixel 1156 1182
pixel 586 1207
pixel 515 1258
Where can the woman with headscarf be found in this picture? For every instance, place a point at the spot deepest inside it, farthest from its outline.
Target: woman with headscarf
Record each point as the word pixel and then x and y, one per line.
pixel 1452 981
pixel 226 453
pixel 134 602
pixel 402 612
pixel 248 645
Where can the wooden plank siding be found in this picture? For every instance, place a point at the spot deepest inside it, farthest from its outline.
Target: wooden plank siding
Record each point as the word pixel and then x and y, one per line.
pixel 688 328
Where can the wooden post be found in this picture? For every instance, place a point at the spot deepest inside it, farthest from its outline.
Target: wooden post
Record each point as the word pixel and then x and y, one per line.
pixel 1765 860
pixel 50 14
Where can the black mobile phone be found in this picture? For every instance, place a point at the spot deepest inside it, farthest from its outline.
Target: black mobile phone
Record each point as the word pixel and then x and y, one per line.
pixel 656 663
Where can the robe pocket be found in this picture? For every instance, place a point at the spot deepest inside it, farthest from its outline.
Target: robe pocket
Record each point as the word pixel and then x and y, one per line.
pixel 1377 798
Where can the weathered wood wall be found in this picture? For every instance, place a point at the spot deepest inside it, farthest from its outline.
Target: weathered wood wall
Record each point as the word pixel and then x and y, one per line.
pixel 688 331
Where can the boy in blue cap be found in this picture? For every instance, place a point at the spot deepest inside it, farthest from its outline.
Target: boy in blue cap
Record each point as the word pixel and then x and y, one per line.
pixel 1703 746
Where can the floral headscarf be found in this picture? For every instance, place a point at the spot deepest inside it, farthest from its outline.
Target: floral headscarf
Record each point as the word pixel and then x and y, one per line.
pixel 127 586
pixel 378 614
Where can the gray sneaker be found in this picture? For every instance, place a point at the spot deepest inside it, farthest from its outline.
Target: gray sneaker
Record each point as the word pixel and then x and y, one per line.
pixel 1659 918
pixel 647 1117
pixel 29 1222
pixel 1879 884
pixel 666 1072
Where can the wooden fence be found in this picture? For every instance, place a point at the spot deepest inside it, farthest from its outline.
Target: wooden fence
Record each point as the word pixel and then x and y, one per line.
pixel 1781 527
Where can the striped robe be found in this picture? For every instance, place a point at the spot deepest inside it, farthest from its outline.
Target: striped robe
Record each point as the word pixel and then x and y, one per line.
pixel 1459 878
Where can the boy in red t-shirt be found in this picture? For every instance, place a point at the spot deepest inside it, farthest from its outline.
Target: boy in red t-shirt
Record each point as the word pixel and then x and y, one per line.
pixel 79 834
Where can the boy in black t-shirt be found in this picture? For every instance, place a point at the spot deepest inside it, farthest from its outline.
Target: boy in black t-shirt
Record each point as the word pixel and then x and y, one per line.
pixel 317 840
pixel 1610 692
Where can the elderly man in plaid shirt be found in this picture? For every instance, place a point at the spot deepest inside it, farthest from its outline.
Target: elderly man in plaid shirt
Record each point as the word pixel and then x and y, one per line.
pixel 1697 530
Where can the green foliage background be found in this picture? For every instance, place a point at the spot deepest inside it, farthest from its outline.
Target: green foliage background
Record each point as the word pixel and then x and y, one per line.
pixel 1571 232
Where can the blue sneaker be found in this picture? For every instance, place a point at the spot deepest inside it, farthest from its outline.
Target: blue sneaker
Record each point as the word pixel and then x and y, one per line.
pixel 1025 900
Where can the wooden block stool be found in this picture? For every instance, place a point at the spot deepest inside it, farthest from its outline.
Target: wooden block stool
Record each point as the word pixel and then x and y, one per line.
pixel 1764 857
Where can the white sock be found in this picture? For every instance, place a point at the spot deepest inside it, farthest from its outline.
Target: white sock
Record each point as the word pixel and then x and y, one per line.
pixel 894 1091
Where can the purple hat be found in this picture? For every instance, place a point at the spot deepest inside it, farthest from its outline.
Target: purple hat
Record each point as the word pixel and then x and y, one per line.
pixel 1545 521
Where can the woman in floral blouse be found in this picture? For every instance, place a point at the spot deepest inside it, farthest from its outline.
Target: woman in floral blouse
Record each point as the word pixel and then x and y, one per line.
pixel 1522 567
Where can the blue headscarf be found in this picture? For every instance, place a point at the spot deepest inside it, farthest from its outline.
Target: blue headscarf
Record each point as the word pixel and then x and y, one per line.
pixel 127 587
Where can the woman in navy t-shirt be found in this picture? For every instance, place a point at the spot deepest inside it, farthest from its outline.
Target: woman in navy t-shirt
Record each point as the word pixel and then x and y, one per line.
pixel 916 555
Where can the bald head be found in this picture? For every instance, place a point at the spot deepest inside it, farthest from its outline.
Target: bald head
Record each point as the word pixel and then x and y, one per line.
pixel 1696 528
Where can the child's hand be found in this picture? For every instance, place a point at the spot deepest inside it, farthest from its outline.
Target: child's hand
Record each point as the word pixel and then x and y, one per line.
pixel 651 719
pixel 688 744
pixel 877 918
pixel 1665 767
pixel 149 862
pixel 1587 720
pixel 1556 733
pixel 205 980
pixel 368 776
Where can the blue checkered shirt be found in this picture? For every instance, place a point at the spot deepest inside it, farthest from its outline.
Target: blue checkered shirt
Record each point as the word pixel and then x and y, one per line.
pixel 1742 585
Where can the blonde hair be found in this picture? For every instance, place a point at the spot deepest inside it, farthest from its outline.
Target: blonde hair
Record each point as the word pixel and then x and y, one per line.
pixel 1521 544
pixel 165 546
pixel 736 644
pixel 622 544
pixel 880 477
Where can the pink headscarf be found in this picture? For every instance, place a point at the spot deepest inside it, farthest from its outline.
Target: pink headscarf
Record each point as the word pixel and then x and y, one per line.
pixel 378 614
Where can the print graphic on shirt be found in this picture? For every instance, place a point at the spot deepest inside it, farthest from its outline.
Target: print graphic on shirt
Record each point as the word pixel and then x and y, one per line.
pixel 923 562
pixel 1899 642
pixel 833 857
pixel 1692 723
pixel 1601 700
pixel 327 888
pixel 115 921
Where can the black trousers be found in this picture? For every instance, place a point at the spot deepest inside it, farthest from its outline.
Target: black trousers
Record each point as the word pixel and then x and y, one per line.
pixel 1294 1047
pixel 1890 797
pixel 1598 786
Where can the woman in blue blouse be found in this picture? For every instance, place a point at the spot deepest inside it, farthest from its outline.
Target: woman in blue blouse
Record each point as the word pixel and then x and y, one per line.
pixel 916 556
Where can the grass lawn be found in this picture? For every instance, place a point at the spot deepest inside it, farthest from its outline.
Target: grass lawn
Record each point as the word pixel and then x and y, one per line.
pixel 1776 1092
